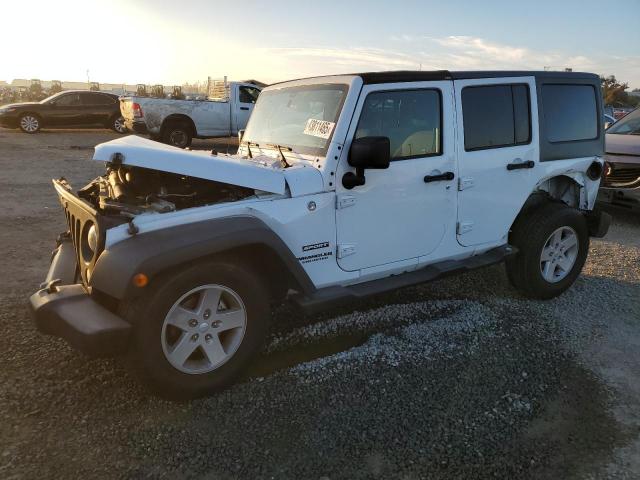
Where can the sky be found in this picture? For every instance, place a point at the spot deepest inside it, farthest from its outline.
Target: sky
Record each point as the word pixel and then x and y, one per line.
pixel 173 42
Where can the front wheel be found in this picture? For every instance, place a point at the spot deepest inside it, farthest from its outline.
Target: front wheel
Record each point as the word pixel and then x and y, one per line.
pixel 195 331
pixel 552 243
pixel 29 123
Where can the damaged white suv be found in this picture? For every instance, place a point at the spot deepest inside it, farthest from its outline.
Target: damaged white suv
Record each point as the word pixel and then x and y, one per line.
pixel 343 187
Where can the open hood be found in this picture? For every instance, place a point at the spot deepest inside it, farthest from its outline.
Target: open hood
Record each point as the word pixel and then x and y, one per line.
pixel 265 175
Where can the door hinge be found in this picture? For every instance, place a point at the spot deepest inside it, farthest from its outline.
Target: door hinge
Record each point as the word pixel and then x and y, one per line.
pixel 464 227
pixel 344 201
pixel 464 183
pixel 346 249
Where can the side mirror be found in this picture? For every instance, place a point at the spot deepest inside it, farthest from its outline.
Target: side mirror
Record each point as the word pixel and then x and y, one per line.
pixel 607 125
pixel 366 152
pixel 370 152
pixel 240 134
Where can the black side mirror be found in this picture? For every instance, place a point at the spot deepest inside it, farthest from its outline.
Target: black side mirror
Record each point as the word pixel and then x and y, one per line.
pixel 366 152
pixel 370 152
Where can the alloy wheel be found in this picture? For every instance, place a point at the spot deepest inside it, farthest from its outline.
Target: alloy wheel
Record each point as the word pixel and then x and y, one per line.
pixel 29 123
pixel 203 329
pixel 559 254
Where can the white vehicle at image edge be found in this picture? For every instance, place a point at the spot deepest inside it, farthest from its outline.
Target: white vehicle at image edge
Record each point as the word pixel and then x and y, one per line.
pixel 343 187
pixel 177 122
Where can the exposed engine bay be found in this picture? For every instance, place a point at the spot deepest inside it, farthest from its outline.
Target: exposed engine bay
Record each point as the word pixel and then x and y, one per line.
pixel 130 190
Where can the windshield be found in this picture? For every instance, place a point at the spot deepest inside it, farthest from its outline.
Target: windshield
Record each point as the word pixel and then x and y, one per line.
pixel 628 125
pixel 55 95
pixel 302 118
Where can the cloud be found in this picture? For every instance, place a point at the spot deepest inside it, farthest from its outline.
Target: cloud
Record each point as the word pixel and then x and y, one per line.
pixel 407 52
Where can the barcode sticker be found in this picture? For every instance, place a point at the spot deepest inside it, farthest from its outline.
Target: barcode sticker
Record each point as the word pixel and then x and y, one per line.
pixel 319 128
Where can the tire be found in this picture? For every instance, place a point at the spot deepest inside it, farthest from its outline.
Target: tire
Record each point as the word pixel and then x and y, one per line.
pixel 179 134
pixel 29 123
pixel 117 124
pixel 158 347
pixel 553 243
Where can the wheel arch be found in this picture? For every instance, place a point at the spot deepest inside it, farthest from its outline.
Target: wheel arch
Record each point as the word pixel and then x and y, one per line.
pixel 35 114
pixel 564 188
pixel 246 239
pixel 178 117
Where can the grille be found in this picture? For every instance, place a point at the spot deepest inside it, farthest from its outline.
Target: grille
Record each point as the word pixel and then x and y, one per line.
pixel 80 218
pixel 623 175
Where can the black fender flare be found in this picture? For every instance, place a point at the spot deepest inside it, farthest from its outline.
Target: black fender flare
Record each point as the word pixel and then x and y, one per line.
pixel 154 252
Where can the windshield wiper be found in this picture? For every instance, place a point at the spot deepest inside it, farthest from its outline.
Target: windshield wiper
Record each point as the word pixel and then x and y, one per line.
pixel 279 148
pixel 249 143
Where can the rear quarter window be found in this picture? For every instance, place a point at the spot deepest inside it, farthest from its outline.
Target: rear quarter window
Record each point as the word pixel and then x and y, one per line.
pixel 570 112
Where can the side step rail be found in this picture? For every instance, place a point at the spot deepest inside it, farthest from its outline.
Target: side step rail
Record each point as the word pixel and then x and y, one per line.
pixel 338 295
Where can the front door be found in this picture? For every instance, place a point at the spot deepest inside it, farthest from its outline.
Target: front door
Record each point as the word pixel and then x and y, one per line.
pixel 398 215
pixel 498 152
pixel 247 97
pixel 66 110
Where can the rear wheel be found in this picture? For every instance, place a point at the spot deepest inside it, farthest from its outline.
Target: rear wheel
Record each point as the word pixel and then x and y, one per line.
pixel 552 242
pixel 179 134
pixel 29 123
pixel 117 125
pixel 195 331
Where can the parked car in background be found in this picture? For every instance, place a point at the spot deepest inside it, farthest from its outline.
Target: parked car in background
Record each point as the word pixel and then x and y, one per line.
pixel 71 108
pixel 608 120
pixel 621 184
pixel 177 122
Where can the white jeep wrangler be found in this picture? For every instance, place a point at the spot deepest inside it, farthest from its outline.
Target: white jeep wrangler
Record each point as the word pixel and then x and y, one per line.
pixel 343 187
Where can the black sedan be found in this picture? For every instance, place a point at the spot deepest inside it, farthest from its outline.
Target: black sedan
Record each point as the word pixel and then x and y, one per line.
pixel 71 108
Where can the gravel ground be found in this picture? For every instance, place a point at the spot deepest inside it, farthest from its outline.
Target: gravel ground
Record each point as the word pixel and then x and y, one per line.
pixel 460 378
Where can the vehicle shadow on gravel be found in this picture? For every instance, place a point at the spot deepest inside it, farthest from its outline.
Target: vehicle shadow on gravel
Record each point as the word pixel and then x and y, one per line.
pixel 456 379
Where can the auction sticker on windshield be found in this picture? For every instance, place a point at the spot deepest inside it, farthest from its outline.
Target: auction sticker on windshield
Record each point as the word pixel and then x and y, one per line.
pixel 319 128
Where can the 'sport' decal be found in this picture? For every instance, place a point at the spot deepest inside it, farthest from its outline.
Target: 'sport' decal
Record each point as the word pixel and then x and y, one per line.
pixel 315 246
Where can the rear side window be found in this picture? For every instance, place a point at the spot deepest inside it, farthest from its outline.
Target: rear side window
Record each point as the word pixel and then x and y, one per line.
pixel 97 99
pixel 496 116
pixel 411 119
pixel 570 112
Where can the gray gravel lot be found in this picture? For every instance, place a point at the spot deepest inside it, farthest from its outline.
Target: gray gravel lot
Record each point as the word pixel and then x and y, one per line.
pixel 461 378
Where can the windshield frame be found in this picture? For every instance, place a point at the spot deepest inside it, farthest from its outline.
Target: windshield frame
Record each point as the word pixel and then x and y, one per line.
pixel 300 149
pixel 633 115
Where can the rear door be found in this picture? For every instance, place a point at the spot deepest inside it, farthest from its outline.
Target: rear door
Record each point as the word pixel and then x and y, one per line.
pixel 498 154
pixel 98 108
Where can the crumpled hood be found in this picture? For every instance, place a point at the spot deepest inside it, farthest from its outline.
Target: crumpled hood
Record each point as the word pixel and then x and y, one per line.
pixel 141 152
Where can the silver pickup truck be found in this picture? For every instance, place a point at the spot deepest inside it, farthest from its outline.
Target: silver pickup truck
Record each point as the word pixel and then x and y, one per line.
pixel 177 122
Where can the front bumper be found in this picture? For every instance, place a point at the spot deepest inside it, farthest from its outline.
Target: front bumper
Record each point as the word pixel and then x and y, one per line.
pixel 621 197
pixel 8 121
pixel 69 311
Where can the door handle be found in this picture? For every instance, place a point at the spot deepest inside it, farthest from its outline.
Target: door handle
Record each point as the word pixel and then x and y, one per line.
pixel 439 178
pixel 244 108
pixel 520 165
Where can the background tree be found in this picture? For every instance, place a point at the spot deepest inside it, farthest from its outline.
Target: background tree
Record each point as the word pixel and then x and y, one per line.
pixel 613 93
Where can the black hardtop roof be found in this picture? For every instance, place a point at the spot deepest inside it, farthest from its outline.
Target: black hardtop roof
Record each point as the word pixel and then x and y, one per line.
pixel 395 76
pixel 417 76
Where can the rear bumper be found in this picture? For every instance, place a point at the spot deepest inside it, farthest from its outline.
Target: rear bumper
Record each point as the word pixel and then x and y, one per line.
pixel 69 311
pixel 136 126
